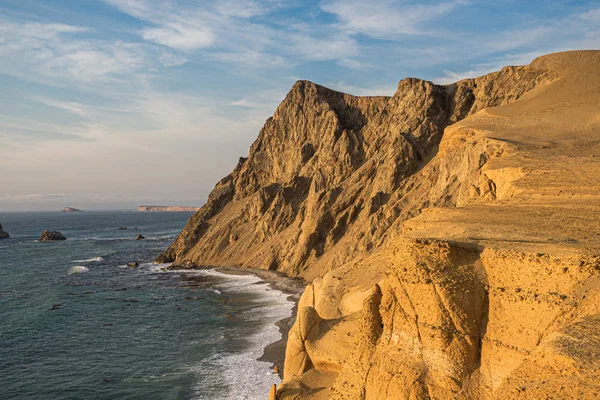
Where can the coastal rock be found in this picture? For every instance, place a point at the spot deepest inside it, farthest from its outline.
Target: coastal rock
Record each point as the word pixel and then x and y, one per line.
pixel 330 173
pixel 3 235
pixel 48 236
pixel 140 237
pixel 133 264
pixel 70 209
pixel 123 228
pixel 449 234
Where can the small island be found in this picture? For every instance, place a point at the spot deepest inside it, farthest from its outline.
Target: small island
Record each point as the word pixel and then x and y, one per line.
pixel 70 209
pixel 168 208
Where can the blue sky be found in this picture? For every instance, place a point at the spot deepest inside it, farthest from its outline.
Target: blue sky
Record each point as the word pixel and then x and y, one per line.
pixel 113 103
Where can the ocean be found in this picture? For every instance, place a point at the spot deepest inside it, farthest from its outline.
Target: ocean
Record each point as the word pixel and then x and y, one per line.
pixel 102 330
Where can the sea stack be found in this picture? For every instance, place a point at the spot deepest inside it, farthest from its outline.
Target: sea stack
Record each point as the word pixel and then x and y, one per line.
pixel 3 235
pixel 50 236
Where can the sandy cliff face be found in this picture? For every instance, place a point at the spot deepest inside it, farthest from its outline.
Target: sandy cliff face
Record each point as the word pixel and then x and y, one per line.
pixel 451 234
pixel 310 195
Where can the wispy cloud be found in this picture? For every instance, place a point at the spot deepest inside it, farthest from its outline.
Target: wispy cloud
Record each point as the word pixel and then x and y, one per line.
pixel 70 106
pixel 47 52
pixel 180 37
pixel 387 18
pixel 184 86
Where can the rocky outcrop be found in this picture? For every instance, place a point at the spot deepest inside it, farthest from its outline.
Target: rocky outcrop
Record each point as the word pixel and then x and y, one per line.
pixel 449 233
pixel 313 188
pixel 3 235
pixel 70 209
pixel 49 236
pixel 167 208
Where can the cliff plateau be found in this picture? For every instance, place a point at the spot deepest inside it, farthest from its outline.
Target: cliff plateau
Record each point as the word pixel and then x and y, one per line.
pixel 450 234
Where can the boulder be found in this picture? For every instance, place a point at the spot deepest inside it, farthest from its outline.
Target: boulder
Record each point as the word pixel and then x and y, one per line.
pixel 133 264
pixel 48 236
pixel 3 235
pixel 123 228
pixel 140 237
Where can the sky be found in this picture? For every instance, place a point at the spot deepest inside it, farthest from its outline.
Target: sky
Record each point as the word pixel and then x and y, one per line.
pixel 108 104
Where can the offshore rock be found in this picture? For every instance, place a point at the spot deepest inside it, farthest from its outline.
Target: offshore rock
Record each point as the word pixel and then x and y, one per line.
pixel 3 235
pixel 49 236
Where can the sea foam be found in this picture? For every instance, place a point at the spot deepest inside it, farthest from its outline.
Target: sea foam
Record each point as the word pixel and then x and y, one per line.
pixel 78 269
pixel 245 376
pixel 95 259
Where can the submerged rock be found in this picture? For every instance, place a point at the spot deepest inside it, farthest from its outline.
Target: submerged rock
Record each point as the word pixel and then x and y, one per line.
pixel 48 236
pixel 3 235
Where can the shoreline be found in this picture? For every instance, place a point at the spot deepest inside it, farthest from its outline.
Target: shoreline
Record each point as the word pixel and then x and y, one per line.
pixel 273 353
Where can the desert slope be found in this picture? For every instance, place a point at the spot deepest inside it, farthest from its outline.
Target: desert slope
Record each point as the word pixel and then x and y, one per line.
pixel 451 234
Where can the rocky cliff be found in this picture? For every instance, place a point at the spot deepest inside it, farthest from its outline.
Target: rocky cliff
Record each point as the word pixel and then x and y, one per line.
pixel 167 208
pixel 450 233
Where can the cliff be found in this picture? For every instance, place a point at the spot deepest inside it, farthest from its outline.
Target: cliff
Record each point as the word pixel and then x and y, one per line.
pixel 450 233
pixel 167 208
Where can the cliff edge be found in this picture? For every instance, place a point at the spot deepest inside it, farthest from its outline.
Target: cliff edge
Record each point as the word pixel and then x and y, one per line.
pixel 450 233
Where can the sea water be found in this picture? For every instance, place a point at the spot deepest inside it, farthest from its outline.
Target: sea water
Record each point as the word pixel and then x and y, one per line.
pixel 77 323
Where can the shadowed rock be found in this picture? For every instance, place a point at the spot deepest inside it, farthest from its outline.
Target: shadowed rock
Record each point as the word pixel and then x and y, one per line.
pixel 3 235
pixel 49 236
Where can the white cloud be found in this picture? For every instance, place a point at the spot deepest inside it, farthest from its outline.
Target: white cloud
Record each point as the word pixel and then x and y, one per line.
pixel 70 106
pixel 251 59
pixel 324 48
pixel 180 37
pixel 387 17
pixel 56 54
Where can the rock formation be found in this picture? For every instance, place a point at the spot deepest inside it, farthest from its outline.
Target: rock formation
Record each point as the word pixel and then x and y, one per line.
pixel 70 209
pixel 49 236
pixel 450 234
pixel 3 235
pixel 168 208
pixel 140 237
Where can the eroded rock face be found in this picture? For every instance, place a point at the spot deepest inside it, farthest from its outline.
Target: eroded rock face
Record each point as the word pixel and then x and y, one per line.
pixel 49 236
pixel 451 321
pixel 452 249
pixel 312 191
pixel 3 235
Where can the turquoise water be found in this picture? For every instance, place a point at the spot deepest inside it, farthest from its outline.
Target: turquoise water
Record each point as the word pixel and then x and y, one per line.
pixel 119 333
